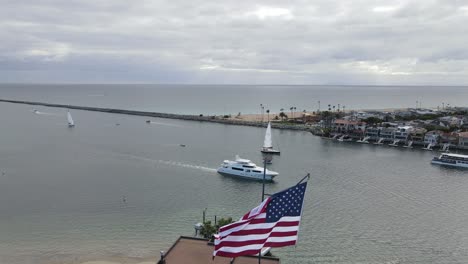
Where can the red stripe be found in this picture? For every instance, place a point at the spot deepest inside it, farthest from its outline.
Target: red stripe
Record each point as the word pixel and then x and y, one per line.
pixel 256 241
pixel 280 244
pixel 250 222
pixel 254 251
pixel 237 254
pixel 259 230
pixel 252 232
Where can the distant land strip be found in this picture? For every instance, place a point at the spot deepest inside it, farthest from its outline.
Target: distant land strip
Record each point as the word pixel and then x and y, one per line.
pixel 200 118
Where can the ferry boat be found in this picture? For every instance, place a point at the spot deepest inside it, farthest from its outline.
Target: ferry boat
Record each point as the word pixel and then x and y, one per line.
pixel 244 168
pixel 454 160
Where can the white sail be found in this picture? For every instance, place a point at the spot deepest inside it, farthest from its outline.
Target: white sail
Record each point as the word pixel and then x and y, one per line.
pixel 70 119
pixel 267 143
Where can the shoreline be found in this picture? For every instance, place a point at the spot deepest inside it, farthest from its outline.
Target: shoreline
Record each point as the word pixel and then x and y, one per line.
pixel 200 118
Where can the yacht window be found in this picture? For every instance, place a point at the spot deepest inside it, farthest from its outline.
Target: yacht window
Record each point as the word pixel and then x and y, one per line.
pixel 248 166
pixel 247 170
pixel 239 169
pixel 257 171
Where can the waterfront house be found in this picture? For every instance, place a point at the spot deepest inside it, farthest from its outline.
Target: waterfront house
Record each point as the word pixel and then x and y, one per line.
pixel 463 140
pixel 450 138
pixel 417 135
pixel 402 133
pixel 387 133
pixel 433 137
pixel 373 133
pixel 348 126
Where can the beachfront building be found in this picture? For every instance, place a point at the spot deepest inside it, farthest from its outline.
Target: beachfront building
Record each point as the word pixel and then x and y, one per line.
pixel 348 126
pixel 373 133
pixel 432 137
pixel 402 133
pixel 450 138
pixel 417 135
pixel 463 140
pixel 388 133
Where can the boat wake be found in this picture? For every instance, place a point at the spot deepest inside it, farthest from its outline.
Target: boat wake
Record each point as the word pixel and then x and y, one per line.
pixel 167 162
pixel 165 124
pixel 45 113
pixel 185 165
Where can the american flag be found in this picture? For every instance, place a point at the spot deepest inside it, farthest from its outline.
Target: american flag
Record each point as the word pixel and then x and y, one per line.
pixel 274 223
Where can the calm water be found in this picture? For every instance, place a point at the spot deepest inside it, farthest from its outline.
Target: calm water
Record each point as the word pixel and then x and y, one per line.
pixel 232 99
pixel 61 194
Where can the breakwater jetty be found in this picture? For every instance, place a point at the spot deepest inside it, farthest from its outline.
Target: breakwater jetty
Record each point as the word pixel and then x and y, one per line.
pixel 199 118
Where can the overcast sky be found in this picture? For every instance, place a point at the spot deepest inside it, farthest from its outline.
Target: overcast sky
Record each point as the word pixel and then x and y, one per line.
pixel 414 42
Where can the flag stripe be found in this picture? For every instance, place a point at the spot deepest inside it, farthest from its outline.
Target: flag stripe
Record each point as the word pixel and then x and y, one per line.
pixel 261 236
pixel 278 239
pixel 284 221
pixel 255 244
pixel 259 231
pixel 263 231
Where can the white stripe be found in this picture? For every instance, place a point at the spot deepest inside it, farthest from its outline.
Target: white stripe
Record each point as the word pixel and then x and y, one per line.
pixel 239 249
pixel 248 226
pixel 270 225
pixel 281 239
pixel 256 246
pixel 240 238
pixel 257 209
pixel 240 227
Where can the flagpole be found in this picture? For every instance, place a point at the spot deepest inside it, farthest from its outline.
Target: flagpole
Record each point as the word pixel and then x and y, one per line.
pixel 263 196
pixel 302 207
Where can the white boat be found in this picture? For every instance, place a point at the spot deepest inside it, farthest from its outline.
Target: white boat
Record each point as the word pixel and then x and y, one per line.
pixel 395 143
pixel 70 120
pixel 410 144
pixel 365 140
pixel 453 160
pixel 244 168
pixel 267 143
pixel 379 142
pixel 344 138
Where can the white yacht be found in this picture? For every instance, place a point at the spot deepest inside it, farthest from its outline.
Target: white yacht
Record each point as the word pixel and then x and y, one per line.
pixel 454 160
pixel 246 169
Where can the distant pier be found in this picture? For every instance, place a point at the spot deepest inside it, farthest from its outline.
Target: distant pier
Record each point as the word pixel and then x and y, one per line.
pixel 200 118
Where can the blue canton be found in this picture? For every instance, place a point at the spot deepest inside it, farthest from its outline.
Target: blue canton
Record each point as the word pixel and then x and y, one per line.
pixel 286 203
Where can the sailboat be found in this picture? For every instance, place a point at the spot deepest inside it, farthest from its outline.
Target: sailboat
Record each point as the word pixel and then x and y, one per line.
pixel 70 120
pixel 267 144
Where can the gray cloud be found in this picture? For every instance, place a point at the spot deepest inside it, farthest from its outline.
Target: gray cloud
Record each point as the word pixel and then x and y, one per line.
pixel 293 42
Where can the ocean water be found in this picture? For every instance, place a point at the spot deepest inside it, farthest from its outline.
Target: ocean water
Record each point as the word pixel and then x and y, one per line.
pixel 62 189
pixel 232 99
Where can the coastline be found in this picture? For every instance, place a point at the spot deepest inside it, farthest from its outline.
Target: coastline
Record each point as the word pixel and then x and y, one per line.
pixel 200 118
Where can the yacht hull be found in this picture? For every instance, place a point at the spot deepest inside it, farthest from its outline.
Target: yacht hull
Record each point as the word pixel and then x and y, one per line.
pixel 245 175
pixel 450 164
pixel 271 151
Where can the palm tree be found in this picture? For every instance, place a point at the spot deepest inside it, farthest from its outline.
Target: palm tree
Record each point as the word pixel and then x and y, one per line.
pixel 262 107
pixel 291 108
pixel 283 116
pixel 268 112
